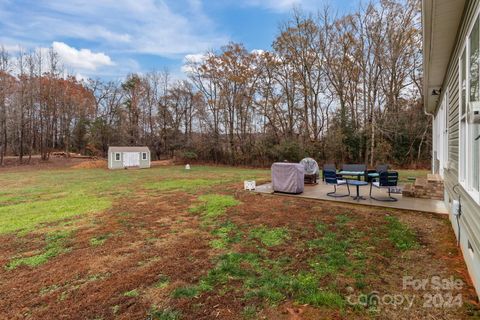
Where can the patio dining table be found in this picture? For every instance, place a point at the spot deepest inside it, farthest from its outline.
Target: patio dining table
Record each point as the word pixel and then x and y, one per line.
pixel 357 184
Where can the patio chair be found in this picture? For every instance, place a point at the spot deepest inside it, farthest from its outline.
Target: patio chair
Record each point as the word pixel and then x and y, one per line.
pixel 328 167
pixel 370 175
pixel 356 168
pixel 386 180
pixel 381 168
pixel 331 179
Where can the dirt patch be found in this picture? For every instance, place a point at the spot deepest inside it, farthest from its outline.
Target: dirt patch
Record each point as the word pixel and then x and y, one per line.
pixel 159 163
pixel 89 281
pixel 436 256
pixel 91 164
pixel 12 164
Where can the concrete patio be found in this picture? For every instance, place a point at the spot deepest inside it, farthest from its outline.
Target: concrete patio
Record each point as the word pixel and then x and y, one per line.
pixel 320 190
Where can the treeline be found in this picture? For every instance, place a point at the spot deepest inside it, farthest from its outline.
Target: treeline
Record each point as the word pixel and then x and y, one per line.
pixel 339 89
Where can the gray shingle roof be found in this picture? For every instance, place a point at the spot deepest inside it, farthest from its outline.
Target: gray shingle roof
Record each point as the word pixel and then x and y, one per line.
pixel 128 149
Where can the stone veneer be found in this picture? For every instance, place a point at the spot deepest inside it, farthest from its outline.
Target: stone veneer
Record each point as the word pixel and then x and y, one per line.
pixel 430 187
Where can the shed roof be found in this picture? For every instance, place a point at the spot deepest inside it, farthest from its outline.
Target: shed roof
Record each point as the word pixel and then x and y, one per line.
pixel 128 149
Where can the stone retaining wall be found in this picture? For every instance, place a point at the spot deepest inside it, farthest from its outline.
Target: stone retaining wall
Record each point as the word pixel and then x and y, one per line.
pixel 431 187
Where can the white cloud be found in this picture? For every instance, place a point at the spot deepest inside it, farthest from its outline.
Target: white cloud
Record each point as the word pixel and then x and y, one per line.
pixel 282 6
pixel 90 36
pixel 102 33
pixel 258 52
pixel 195 58
pixel 165 28
pixel 276 5
pixel 190 60
pixel 83 59
pixel 81 78
pixel 11 48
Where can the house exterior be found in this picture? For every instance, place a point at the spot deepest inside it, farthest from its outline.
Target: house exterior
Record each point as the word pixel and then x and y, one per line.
pixel 451 30
pixel 128 157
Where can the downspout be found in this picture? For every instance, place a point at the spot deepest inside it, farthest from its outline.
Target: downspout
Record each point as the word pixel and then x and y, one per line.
pixel 433 118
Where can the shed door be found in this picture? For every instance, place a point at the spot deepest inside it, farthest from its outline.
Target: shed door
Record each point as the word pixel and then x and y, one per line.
pixel 131 159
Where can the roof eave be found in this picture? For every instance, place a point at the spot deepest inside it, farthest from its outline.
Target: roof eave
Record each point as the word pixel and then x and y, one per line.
pixel 427 6
pixel 438 16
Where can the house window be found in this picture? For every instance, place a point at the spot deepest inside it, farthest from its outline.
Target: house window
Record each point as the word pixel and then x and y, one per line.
pixel 117 156
pixel 472 129
pixel 144 156
pixel 469 147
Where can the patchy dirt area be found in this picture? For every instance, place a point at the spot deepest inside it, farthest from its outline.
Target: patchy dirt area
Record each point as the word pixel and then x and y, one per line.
pixel 157 163
pixel 35 163
pixel 171 254
pixel 92 164
pixel 11 164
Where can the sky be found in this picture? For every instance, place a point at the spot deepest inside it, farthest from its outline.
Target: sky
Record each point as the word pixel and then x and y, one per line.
pixel 108 39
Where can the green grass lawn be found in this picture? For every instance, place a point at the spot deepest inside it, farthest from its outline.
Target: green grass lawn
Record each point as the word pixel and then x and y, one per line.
pixel 404 175
pixel 185 242
pixel 29 199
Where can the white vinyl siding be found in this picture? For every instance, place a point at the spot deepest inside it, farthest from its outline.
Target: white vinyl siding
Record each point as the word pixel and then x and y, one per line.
pixel 469 157
pixel 455 89
pixel 128 157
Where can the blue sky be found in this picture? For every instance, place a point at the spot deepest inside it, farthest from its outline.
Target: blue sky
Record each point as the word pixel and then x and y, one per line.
pixel 110 38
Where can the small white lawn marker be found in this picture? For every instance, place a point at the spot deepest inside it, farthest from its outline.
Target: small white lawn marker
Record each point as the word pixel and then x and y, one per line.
pixel 249 185
pixel 187 167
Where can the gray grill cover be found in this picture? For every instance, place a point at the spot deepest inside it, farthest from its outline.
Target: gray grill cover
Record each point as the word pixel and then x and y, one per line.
pixel 287 177
pixel 310 165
